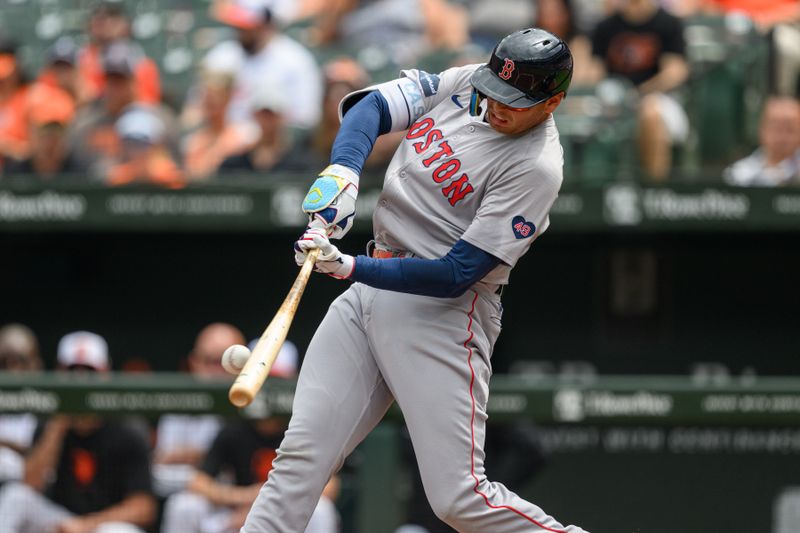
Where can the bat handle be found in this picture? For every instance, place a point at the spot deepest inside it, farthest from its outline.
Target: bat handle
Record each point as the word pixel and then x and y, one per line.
pixel 311 258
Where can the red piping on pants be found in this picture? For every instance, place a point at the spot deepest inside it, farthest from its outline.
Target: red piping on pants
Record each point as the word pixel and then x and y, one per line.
pixel 472 433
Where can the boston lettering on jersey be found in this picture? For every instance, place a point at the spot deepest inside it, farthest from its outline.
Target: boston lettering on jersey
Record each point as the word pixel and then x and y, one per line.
pixel 443 169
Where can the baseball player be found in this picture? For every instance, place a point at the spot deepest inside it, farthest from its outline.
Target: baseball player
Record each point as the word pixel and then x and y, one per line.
pixel 467 192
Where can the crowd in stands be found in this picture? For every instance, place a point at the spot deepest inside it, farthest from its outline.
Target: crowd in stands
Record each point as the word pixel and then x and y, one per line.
pixel 88 473
pixel 264 102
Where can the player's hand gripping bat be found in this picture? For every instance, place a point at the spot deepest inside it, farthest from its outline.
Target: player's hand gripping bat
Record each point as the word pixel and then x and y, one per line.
pixel 257 368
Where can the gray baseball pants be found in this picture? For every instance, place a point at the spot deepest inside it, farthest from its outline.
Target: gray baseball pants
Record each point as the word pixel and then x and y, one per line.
pixel 431 355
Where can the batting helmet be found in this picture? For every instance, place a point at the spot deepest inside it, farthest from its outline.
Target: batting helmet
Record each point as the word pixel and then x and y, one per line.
pixel 526 68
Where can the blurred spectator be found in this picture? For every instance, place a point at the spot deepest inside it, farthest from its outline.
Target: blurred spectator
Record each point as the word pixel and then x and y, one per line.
pixel 491 20
pixel 404 29
pixel 262 54
pixel 183 440
pixel 144 155
pixel 312 151
pixel 558 17
pixel 766 13
pixel 61 72
pixel 93 139
pixel 644 44
pixel 777 159
pixel 108 24
pixel 51 111
pixel 269 107
pixel 220 494
pixel 83 473
pixel 14 135
pixel 205 149
pixel 19 349
pixel 19 352
pixel 786 54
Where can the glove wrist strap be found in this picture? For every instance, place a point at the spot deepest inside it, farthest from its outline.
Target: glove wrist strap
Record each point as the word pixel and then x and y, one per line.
pixel 341 171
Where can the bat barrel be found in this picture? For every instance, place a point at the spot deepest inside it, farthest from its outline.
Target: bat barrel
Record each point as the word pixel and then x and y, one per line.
pixel 257 368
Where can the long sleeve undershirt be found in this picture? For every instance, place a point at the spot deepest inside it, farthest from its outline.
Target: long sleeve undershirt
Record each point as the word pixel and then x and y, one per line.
pixel 447 277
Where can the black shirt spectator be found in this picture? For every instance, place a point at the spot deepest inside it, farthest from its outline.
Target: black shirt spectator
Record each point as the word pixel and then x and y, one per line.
pixel 634 49
pixel 243 453
pixel 98 470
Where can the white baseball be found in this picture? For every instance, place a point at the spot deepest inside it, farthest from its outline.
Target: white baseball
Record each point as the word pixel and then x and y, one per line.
pixel 234 358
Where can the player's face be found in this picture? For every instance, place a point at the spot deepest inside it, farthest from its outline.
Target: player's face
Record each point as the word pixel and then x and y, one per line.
pixel 514 120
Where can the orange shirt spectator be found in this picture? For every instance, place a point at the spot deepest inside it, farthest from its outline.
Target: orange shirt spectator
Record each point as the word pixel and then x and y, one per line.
pixel 61 70
pixel 50 110
pixel 145 157
pixel 14 135
pixel 108 23
pixel 146 76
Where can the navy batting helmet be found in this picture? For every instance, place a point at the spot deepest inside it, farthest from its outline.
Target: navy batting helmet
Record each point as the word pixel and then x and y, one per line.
pixel 526 68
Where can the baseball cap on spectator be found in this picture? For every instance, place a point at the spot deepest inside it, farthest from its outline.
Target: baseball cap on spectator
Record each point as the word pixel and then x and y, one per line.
pixel 139 124
pixel 63 50
pixel 285 365
pixel 244 14
pixel 83 349
pixel 120 58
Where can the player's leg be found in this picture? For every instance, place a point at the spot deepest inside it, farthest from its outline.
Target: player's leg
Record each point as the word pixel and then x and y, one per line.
pixel 23 510
pixel 437 368
pixel 340 397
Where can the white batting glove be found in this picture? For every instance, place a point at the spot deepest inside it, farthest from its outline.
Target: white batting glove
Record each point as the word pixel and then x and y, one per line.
pixel 330 260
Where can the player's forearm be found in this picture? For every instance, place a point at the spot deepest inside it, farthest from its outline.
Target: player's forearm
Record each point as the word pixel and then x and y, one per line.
pixel 361 126
pixel 44 455
pixel 138 509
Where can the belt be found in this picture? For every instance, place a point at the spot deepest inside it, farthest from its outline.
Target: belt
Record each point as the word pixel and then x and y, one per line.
pixel 382 253
pixel 387 254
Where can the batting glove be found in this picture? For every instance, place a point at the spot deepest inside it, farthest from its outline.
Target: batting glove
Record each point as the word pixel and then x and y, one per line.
pixel 331 201
pixel 330 260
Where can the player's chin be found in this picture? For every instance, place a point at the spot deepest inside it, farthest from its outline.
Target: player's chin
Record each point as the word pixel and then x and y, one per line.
pixel 498 124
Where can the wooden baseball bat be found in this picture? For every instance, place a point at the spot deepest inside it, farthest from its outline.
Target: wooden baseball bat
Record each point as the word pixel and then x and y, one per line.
pixel 257 368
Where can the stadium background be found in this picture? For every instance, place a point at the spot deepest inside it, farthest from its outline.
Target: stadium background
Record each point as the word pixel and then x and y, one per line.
pixel 690 278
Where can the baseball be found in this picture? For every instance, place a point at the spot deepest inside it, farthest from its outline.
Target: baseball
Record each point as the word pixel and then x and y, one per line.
pixel 234 358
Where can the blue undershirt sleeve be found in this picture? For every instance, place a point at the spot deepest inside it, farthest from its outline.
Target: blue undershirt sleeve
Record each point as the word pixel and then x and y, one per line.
pixel 361 126
pixel 447 277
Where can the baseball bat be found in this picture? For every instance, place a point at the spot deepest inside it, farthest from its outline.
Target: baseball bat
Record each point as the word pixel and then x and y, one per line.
pixel 257 368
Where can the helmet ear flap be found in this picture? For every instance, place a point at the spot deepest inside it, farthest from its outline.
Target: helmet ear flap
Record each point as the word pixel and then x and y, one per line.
pixel 475 102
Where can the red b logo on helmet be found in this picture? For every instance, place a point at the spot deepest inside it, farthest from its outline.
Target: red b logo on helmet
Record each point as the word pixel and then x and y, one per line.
pixel 508 68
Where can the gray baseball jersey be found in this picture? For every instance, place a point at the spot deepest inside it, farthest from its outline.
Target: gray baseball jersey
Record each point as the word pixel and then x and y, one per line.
pixel 453 177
